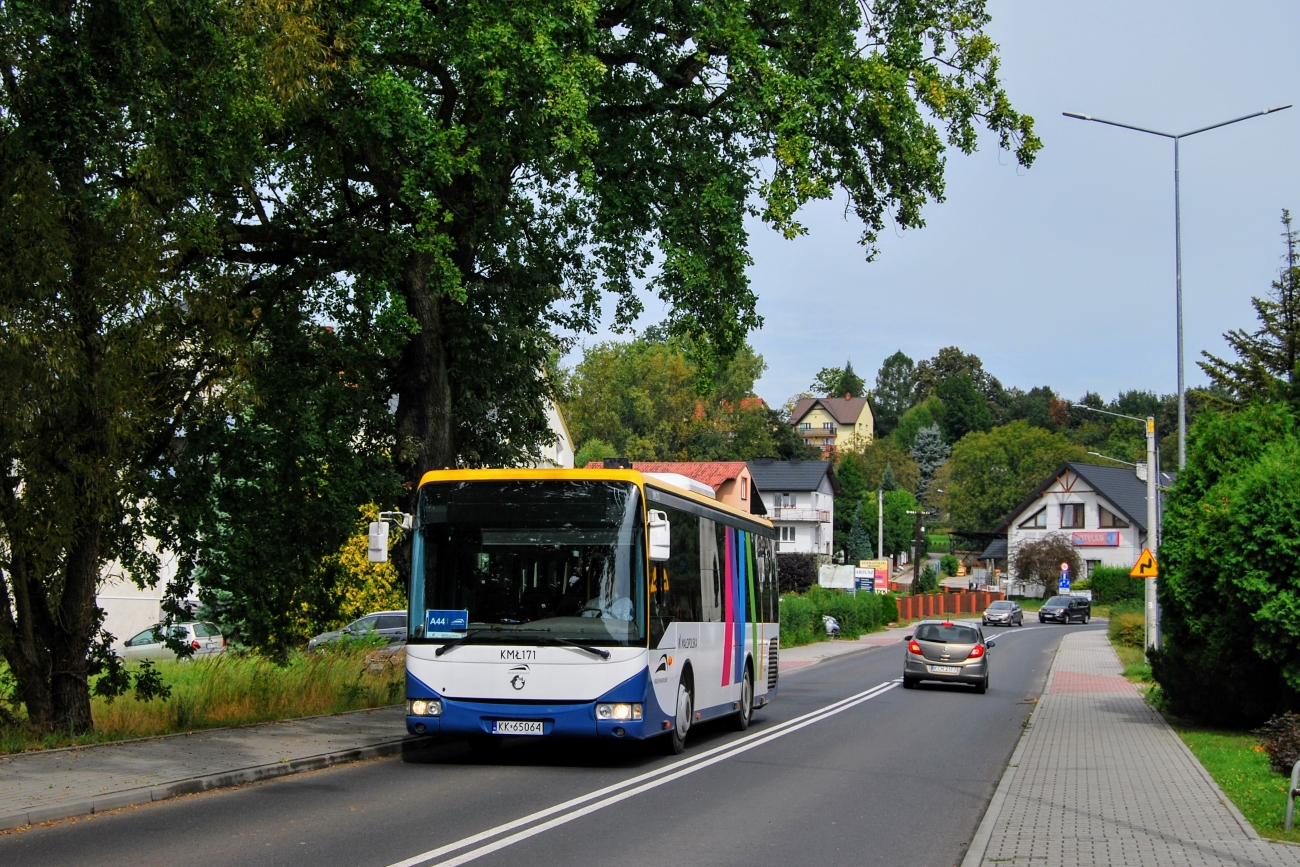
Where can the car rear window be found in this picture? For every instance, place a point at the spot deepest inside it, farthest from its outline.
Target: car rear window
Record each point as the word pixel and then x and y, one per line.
pixel 947 634
pixel 205 630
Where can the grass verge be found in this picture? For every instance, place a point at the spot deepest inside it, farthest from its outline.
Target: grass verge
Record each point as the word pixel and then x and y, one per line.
pixel 230 690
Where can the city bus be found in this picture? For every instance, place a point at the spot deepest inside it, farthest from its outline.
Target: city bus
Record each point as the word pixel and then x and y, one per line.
pixel 603 603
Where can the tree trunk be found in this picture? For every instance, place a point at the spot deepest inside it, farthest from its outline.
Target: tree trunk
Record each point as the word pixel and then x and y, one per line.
pixel 424 418
pixel 69 679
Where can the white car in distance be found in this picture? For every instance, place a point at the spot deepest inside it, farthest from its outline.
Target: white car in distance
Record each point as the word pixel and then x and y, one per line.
pixel 203 638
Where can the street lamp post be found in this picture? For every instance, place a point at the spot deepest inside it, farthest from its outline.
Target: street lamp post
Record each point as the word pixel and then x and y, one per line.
pixel 1178 249
pixel 1152 619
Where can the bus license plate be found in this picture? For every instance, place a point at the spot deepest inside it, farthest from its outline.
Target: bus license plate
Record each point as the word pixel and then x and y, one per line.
pixel 517 727
pixel 945 669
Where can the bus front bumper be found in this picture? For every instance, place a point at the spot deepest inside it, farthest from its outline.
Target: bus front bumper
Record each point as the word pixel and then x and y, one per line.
pixel 557 718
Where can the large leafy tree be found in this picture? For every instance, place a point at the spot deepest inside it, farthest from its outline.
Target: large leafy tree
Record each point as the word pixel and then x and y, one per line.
pixel 964 408
pixel 949 362
pixel 990 473
pixel 494 162
pixel 641 399
pixel 116 119
pixel 838 381
pixel 895 384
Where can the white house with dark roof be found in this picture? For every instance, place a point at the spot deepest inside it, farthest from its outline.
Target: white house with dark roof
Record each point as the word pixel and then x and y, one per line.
pixel 799 497
pixel 1103 510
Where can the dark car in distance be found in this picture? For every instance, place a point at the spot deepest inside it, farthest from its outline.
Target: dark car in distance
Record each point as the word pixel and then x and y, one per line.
pixel 1066 609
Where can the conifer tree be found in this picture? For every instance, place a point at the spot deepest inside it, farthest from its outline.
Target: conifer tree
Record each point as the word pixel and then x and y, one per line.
pixel 859 544
pixel 930 452
pixel 1267 358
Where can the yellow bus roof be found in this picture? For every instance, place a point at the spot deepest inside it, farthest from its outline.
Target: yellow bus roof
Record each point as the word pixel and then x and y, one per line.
pixel 634 476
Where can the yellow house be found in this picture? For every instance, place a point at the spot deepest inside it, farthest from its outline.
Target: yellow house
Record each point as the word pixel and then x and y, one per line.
pixel 831 423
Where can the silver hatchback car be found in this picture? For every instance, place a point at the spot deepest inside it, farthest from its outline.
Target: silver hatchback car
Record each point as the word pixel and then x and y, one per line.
pixel 948 652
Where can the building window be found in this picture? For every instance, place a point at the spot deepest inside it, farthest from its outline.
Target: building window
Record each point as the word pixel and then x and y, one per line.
pixel 1072 516
pixel 786 501
pixel 1091 564
pixel 744 489
pixel 1109 518
pixel 787 534
pixel 828 425
pixel 1036 521
pixel 807 425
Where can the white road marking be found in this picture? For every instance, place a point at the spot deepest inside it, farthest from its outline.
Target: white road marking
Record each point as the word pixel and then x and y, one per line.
pixel 630 788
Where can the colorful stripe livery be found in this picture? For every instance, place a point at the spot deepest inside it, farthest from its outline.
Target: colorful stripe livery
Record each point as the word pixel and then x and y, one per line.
pixel 738 586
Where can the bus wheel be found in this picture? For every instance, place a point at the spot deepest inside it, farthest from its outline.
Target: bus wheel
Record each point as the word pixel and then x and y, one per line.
pixel 682 723
pixel 746 701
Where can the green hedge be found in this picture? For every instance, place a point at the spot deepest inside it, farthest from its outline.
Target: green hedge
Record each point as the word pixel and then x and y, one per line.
pixel 801 614
pixel 1113 584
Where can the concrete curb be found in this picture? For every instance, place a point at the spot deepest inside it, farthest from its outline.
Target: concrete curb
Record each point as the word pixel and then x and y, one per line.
pixel 191 785
pixel 979 846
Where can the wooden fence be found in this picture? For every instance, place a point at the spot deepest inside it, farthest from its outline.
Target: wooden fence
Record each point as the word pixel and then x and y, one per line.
pixel 945 604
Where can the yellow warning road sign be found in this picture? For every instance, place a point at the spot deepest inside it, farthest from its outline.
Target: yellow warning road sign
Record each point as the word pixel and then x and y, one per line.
pixel 1146 566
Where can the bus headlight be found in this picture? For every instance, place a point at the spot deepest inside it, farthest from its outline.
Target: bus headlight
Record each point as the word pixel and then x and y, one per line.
pixel 424 707
pixel 618 711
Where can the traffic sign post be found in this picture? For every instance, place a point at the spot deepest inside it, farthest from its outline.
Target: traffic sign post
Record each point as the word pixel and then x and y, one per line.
pixel 1064 585
pixel 1146 566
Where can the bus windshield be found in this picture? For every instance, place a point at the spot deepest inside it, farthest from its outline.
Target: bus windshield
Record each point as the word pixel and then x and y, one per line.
pixel 525 561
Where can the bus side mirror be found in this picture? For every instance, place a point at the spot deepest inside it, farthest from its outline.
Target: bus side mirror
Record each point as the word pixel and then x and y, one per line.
pixel 377 551
pixel 659 535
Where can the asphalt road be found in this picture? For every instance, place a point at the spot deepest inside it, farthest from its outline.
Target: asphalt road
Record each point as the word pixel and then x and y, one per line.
pixel 845 768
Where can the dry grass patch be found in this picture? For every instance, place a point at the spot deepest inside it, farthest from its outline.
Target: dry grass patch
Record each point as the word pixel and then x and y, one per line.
pixel 233 690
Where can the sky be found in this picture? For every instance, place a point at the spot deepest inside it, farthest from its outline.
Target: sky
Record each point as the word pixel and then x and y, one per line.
pixel 1063 274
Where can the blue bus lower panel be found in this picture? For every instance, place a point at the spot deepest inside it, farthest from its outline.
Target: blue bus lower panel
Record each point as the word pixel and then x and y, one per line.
pixel 469 717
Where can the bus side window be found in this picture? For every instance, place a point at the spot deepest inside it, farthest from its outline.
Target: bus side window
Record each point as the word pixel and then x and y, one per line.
pixel 711 565
pixel 675 585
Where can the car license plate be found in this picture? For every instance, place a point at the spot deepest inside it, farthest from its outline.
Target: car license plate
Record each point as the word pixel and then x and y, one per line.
pixel 517 727
pixel 944 669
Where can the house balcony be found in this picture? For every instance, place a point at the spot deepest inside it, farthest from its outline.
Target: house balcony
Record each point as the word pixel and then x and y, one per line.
pixel 812 516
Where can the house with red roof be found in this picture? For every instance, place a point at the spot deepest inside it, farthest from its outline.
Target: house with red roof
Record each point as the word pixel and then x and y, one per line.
pixel 730 480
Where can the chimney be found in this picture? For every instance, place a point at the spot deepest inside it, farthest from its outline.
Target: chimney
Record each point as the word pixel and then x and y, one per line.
pixel 848 396
pixel 1142 471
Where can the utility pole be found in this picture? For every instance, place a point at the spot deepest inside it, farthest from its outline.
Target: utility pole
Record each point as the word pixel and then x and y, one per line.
pixel 916 550
pixel 880 523
pixel 1153 535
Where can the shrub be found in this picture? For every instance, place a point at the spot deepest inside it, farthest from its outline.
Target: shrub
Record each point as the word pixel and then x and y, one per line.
pixel 795 572
pixel 949 565
pixel 888 608
pixel 927 581
pixel 1280 738
pixel 801 614
pixel 1127 627
pixel 1113 584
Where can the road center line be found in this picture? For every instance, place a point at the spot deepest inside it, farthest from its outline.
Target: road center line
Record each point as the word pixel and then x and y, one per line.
pixel 621 791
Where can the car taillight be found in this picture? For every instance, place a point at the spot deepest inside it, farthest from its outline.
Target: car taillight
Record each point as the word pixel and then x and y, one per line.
pixel 976 652
pixel 223 641
pixel 913 647
pixel 195 645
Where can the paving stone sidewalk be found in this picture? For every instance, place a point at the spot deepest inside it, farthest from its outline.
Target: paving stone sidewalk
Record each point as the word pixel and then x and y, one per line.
pixel 55 784
pixel 1099 778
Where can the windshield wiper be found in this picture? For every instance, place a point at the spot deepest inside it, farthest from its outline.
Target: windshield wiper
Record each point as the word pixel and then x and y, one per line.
pixel 456 642
pixel 550 639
